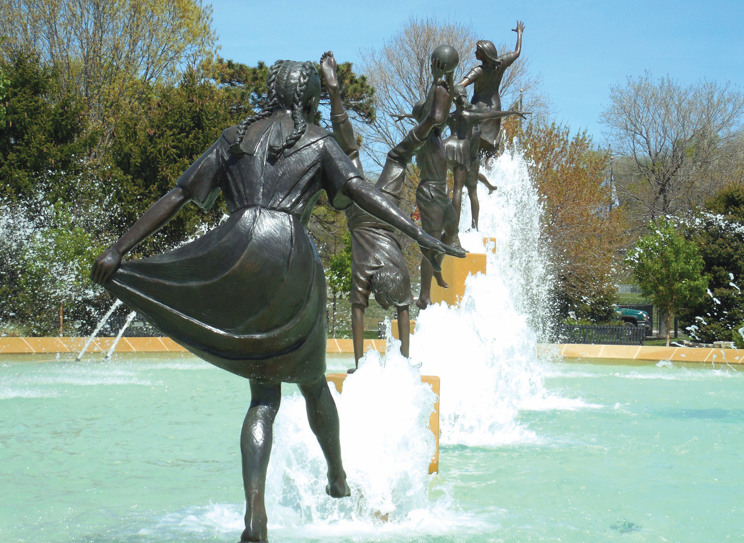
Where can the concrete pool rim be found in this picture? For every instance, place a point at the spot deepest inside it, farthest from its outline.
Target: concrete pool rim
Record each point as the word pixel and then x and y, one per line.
pixel 52 345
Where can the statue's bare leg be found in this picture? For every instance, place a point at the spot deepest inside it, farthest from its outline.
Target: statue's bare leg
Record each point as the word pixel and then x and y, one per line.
pixel 427 272
pixel 357 333
pixel 474 205
pixel 323 418
pixel 459 174
pixel 404 329
pixel 483 179
pixel 255 447
pixel 439 278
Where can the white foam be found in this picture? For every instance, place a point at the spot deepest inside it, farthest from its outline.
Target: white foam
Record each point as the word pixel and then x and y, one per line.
pixel 7 393
pixel 439 520
pixel 387 447
pixel 485 350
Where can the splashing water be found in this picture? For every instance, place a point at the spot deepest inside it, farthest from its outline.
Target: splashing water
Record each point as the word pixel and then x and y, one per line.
pixel 386 444
pixel 485 350
pixel 123 329
pixel 512 215
pixel 100 325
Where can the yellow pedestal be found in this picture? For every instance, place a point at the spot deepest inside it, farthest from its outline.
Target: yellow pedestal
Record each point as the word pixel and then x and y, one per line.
pixel 456 270
pixel 432 380
pixel 394 328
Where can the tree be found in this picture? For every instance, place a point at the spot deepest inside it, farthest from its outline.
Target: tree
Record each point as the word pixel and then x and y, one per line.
pixel 338 276
pixel 584 228
pixel 153 146
pixel 44 266
pixel 246 86
pixel 668 139
pixel 4 84
pixel 400 73
pixel 669 269
pixel 43 145
pixel 109 52
pixel 718 232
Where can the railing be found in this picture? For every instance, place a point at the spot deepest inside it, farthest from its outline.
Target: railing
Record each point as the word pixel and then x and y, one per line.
pixel 601 335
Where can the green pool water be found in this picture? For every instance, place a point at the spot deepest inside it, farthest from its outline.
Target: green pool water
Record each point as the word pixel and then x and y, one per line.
pixel 146 449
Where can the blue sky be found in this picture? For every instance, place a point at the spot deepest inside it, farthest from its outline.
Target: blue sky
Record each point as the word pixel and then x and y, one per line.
pixel 579 47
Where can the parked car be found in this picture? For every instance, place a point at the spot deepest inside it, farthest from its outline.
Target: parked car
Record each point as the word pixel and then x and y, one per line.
pixel 633 317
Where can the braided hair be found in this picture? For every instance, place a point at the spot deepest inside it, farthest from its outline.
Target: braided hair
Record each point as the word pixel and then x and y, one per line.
pixel 290 85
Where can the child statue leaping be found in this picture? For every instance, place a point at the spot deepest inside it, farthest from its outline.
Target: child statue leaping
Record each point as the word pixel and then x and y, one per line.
pixel 378 264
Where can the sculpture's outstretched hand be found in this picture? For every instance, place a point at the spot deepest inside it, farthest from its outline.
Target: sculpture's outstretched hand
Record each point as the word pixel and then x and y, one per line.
pixel 431 248
pixel 105 266
pixel 520 27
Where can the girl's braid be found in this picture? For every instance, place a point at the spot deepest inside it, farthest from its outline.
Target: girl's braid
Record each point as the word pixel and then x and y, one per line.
pixel 272 102
pixel 300 126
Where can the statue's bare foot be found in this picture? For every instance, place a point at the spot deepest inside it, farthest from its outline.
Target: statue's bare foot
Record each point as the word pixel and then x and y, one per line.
pixel 423 303
pixel 328 69
pixel 431 256
pixel 352 370
pixel 440 280
pixel 337 487
pixel 250 535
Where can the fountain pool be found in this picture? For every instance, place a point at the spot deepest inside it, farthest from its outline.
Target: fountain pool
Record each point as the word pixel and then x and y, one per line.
pixel 145 448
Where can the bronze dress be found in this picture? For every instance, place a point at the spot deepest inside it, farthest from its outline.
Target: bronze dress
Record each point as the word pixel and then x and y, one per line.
pixel 250 295
pixel 462 146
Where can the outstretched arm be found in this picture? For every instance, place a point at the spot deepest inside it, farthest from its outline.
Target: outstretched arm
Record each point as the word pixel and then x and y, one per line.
pixel 477 116
pixel 508 58
pixel 400 116
pixel 153 220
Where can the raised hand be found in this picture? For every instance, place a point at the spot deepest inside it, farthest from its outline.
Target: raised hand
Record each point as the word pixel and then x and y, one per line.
pixel 328 69
pixel 437 68
pixel 105 266
pixel 520 27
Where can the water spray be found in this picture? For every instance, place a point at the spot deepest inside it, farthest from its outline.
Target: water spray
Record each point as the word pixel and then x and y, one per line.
pixel 127 322
pixel 116 304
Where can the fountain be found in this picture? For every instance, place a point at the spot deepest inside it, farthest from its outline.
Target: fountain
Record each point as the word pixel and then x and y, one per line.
pixel 530 449
pixel 123 329
pixel 97 329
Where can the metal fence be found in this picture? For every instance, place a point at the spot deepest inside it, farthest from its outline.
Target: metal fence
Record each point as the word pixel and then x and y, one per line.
pixel 601 335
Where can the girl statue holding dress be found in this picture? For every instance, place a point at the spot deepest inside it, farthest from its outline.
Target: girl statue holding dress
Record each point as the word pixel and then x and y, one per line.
pixel 249 296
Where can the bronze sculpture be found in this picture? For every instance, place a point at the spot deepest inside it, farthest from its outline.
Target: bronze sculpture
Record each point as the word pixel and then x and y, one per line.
pixel 486 80
pixel 249 296
pixel 438 218
pixel 378 264
pixel 462 147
